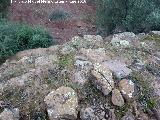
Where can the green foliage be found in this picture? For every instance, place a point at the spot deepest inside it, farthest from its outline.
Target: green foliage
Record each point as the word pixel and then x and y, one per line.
pixel 59 15
pixel 3 7
pixel 153 19
pixel 17 37
pixel 132 15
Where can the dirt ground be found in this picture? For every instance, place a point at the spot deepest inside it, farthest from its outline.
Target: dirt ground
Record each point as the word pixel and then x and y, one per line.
pixel 81 20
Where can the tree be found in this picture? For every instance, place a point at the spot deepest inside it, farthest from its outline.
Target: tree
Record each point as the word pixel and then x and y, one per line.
pixel 132 15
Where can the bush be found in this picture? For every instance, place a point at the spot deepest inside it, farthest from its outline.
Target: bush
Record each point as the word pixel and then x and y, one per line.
pixel 153 19
pixel 17 37
pixel 58 15
pixel 132 15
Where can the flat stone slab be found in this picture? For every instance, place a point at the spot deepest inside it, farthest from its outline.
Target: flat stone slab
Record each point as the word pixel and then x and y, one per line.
pixel 119 69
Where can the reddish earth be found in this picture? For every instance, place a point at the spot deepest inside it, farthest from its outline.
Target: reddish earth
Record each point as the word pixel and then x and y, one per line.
pixel 81 21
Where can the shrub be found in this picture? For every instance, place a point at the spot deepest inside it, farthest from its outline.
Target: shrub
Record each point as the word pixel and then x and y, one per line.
pixel 153 19
pixel 17 37
pixel 58 15
pixel 132 15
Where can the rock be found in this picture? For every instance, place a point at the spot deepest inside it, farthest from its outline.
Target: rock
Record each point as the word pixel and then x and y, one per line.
pixel 46 60
pixel 88 41
pixel 80 78
pixel 82 64
pixel 26 60
pixel 62 104
pixel 67 49
pixel 127 88
pixel 155 32
pixel 128 116
pixel 123 39
pixel 95 55
pixel 141 35
pixel 8 114
pixel 2 86
pixel 142 116
pixel 117 98
pixel 78 42
pixel 104 80
pixel 88 114
pixel 156 86
pixel 83 68
pixel 95 40
pixel 144 45
pixel 138 64
pixel 118 68
pixel 97 112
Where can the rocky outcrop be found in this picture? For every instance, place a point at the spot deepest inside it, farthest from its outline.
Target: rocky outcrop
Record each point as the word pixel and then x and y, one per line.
pixel 86 78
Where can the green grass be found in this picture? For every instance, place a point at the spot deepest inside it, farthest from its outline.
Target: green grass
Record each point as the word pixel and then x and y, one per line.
pixel 66 60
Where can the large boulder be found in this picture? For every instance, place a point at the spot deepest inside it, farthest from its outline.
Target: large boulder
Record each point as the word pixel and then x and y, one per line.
pixel 103 78
pixel 62 104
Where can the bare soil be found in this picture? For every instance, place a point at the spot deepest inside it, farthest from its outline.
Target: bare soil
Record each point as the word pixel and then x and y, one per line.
pixel 81 20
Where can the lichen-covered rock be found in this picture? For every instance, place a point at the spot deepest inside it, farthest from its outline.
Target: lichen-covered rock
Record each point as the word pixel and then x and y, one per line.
pixel 80 78
pixel 8 114
pixel 117 98
pixel 127 88
pixel 155 32
pixel 95 55
pixel 104 80
pixel 45 60
pixel 95 40
pixel 62 104
pixel 67 49
pixel 124 39
pixel 119 69
pixel 82 64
